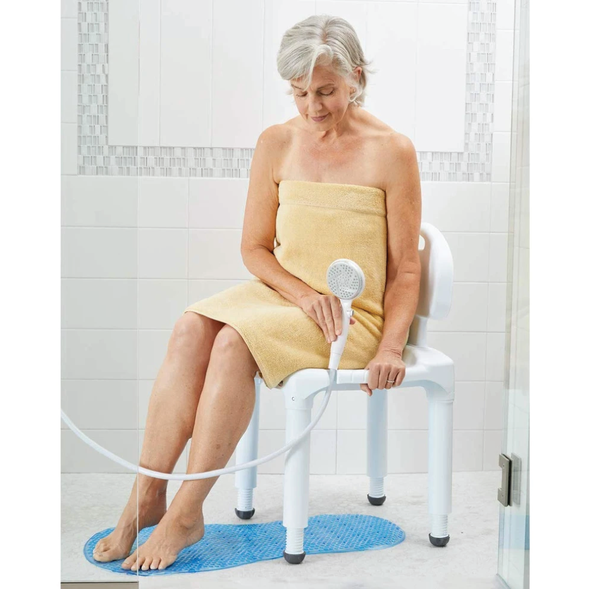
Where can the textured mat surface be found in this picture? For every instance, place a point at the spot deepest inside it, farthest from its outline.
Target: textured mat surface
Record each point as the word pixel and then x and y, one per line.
pixel 230 545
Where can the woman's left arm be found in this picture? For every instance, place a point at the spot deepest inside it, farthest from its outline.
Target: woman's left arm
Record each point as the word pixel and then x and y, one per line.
pixel 400 300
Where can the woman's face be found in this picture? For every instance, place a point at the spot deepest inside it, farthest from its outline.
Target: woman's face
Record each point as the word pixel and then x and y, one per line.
pixel 327 97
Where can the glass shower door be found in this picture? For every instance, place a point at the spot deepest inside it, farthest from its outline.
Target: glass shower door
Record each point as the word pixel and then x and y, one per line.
pixel 513 553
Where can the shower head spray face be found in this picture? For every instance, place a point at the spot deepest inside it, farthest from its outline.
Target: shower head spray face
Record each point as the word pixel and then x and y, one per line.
pixel 345 279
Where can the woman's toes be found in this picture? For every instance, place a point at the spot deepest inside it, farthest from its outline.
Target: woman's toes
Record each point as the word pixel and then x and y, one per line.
pixel 146 564
pixel 155 563
pixel 165 563
pixel 129 561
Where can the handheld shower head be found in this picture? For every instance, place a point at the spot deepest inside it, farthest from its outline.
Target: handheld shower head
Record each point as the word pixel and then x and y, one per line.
pixel 346 280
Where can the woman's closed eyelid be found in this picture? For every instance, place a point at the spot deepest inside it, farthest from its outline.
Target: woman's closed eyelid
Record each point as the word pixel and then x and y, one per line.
pixel 303 95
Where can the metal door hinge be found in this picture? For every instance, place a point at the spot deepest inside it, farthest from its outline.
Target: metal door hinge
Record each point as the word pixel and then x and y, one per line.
pixel 504 491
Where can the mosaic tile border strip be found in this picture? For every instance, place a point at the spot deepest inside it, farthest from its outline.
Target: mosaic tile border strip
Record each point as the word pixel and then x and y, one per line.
pixel 97 158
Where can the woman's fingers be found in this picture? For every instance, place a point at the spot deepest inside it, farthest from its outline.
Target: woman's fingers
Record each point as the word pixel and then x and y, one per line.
pixel 327 309
pixel 337 313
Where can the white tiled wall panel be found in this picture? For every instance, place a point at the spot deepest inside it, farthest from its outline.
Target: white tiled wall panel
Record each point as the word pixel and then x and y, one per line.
pixel 236 77
pixel 186 70
pixel 440 77
pixel 153 202
pixel 391 38
pixel 124 18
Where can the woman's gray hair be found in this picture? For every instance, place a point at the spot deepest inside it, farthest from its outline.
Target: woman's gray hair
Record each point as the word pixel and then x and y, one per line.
pixel 323 40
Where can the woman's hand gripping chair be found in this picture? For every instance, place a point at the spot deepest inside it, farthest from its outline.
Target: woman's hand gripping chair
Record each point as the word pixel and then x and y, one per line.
pixel 425 367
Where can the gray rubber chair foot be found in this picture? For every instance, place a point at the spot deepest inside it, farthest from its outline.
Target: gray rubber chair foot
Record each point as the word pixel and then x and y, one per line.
pixel 376 500
pixel 439 541
pixel 244 514
pixel 294 558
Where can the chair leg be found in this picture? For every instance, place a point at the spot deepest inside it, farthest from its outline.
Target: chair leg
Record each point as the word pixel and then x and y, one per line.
pixel 296 480
pixel 377 445
pixel 247 450
pixel 440 467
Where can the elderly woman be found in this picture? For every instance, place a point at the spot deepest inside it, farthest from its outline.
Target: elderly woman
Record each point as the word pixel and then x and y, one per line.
pixel 348 186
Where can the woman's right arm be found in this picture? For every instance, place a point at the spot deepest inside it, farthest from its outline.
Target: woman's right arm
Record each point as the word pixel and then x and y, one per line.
pixel 258 233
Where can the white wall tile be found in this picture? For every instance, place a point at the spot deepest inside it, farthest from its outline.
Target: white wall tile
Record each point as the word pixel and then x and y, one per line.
pixel 123 86
pixel 440 77
pixel 470 256
pixel 468 407
pixel 407 451
pixel 352 409
pixel 502 106
pixel 217 203
pixel 99 201
pixel 98 353
pixel 92 252
pixel 495 356
pixel 501 157
pixel 468 351
pixel 322 452
pixel 149 73
pixel 163 202
pixel 494 407
pixel 69 8
pixel 100 404
pixel 186 69
pixel 279 15
pixel 237 91
pixel 392 43
pixel 457 206
pixel 77 456
pixel 160 303
pixel 497 307
pixel 98 303
pixel 498 257
pixel 504 54
pixel 69 44
pixel 351 452
pixel 270 440
pixel 216 253
pixel 492 449
pixel 69 97
pixel 163 253
pixel 69 148
pixel 408 409
pixel 468 309
pixel 467 450
pixel 505 14
pixel 152 348
pixel 500 207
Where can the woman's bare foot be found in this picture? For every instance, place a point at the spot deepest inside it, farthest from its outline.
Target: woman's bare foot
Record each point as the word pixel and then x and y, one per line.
pixel 171 535
pixel 152 507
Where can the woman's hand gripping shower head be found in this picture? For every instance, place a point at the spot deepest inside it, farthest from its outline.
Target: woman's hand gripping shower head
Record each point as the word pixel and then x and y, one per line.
pixel 346 281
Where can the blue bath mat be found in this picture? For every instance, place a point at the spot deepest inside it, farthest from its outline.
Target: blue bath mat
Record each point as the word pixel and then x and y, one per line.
pixel 229 545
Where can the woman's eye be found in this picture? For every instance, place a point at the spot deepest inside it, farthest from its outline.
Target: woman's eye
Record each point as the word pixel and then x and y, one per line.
pixel 321 94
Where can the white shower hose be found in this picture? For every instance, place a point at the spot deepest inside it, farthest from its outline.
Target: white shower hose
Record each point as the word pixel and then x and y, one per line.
pixel 212 473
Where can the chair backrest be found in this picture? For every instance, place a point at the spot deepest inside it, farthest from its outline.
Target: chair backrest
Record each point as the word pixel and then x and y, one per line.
pixel 436 282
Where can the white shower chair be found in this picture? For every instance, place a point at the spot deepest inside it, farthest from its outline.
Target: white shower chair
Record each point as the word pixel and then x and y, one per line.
pixel 425 367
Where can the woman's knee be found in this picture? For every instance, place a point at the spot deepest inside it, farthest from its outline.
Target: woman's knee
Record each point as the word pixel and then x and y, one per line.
pixel 229 342
pixel 192 328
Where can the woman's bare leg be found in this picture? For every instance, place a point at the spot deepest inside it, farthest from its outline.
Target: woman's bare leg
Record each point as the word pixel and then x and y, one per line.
pixel 170 423
pixel 224 412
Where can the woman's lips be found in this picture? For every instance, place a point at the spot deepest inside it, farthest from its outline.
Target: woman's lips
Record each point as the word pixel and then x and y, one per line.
pixel 318 119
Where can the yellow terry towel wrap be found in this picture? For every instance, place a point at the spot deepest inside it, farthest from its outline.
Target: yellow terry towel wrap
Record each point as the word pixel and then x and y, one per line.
pixel 317 223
